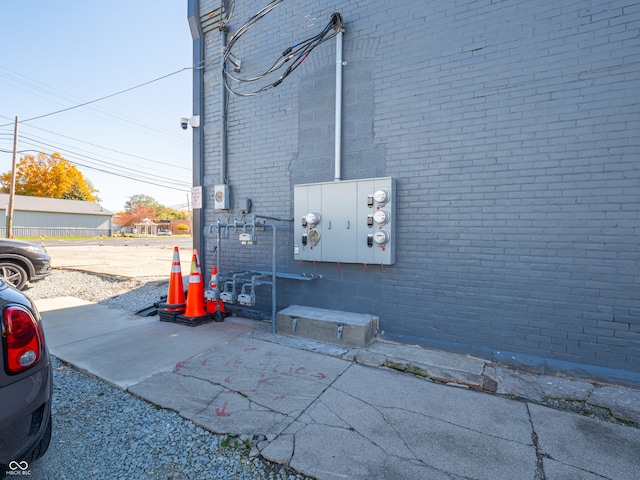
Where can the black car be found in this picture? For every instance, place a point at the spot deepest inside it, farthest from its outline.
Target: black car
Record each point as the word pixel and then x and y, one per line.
pixel 22 262
pixel 26 384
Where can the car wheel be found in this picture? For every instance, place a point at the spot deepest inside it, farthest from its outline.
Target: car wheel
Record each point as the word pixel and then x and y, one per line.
pixel 13 274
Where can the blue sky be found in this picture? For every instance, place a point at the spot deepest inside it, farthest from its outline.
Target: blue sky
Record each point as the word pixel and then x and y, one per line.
pixel 59 54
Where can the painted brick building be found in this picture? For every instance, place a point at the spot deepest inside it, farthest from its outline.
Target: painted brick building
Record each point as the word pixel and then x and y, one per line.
pixel 511 132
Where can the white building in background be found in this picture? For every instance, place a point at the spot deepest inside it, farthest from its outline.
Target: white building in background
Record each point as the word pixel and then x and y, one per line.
pixel 53 217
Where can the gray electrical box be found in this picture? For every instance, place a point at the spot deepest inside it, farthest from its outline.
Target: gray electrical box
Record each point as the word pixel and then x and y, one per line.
pixel 221 197
pixel 350 221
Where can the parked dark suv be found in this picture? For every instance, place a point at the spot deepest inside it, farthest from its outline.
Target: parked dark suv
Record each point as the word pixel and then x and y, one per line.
pixel 26 384
pixel 22 262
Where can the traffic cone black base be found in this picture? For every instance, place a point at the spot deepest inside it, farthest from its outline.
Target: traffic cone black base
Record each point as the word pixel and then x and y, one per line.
pixel 166 316
pixel 194 321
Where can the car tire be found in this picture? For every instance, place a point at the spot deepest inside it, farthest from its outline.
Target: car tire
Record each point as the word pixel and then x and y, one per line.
pixel 13 274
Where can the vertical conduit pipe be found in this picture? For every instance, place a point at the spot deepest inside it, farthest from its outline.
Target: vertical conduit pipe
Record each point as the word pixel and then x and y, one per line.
pixel 223 101
pixel 273 262
pixel 197 34
pixel 338 134
pixel 273 278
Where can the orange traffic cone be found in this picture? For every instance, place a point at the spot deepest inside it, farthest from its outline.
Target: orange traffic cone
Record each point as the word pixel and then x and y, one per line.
pixel 175 295
pixel 195 293
pixel 211 304
pixel 214 278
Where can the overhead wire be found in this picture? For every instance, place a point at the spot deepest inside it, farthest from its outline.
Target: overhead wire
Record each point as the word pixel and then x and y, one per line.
pixel 297 53
pixel 151 180
pixel 102 98
pixel 120 171
pixel 42 90
pixel 36 142
pixel 155 162
pixel 90 161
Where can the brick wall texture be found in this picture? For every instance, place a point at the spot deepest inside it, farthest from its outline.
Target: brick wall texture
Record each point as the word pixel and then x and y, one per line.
pixel 512 129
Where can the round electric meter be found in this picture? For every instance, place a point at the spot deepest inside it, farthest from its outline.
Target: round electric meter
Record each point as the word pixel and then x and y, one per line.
pixel 312 218
pixel 313 236
pixel 381 196
pixel 381 237
pixel 381 217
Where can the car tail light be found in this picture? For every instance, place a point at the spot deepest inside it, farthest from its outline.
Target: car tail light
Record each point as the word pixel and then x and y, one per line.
pixel 23 339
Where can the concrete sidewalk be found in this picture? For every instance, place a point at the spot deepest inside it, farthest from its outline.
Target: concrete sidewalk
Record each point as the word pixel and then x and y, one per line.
pixel 337 413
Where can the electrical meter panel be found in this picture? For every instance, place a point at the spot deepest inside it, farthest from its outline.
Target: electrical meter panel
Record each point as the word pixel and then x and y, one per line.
pixel 351 221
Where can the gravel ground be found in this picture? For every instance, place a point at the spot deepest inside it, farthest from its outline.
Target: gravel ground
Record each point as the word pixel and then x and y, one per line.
pixel 127 294
pixel 103 432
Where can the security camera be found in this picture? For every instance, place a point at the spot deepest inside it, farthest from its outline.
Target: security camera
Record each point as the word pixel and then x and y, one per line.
pixel 184 122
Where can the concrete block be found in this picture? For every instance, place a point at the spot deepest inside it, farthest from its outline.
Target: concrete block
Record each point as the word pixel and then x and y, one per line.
pixel 333 326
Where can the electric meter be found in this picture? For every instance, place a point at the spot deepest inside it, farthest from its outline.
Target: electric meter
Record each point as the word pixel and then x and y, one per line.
pixel 312 219
pixel 381 237
pixel 313 237
pixel 381 217
pixel 381 196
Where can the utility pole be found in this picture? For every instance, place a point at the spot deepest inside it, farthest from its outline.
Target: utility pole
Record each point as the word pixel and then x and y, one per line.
pixel 12 187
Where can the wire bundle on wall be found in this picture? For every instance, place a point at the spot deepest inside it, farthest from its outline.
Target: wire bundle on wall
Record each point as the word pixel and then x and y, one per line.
pixel 292 56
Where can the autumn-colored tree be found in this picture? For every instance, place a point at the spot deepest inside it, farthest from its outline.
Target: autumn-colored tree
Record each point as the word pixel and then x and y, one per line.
pixel 160 211
pixel 49 176
pixel 136 214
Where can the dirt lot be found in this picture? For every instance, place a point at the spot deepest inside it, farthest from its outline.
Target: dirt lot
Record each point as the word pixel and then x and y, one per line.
pixel 136 258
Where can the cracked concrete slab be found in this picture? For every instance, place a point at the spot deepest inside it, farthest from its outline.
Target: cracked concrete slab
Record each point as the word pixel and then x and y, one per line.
pixel 591 445
pixel 622 402
pixel 540 387
pixel 559 471
pixel 285 379
pixel 459 369
pixel 476 410
pixel 333 419
pixel 236 414
pixel 188 396
pixel 144 345
pixel 372 423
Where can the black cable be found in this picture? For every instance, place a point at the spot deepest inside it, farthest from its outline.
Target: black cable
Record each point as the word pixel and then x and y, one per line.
pixel 137 179
pixel 102 98
pixel 38 143
pixel 296 53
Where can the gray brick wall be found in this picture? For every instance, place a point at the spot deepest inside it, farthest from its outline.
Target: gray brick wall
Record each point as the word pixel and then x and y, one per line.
pixel 511 129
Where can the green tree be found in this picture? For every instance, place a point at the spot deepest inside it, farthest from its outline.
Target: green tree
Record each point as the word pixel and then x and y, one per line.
pixel 141 200
pixel 160 212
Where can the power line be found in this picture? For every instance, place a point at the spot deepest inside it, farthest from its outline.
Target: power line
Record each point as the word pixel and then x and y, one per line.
pixel 121 175
pixel 103 98
pixel 128 168
pixel 155 162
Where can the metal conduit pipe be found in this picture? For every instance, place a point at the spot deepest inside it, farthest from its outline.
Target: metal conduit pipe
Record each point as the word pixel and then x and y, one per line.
pixel 197 35
pixel 338 133
pixel 273 262
pixel 273 275
pixel 223 101
pixel 254 223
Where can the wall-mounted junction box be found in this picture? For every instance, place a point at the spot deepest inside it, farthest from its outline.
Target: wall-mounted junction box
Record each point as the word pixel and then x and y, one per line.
pixel 351 221
pixel 221 197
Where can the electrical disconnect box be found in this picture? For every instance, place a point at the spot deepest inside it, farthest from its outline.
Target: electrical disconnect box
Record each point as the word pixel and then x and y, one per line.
pixel 351 221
